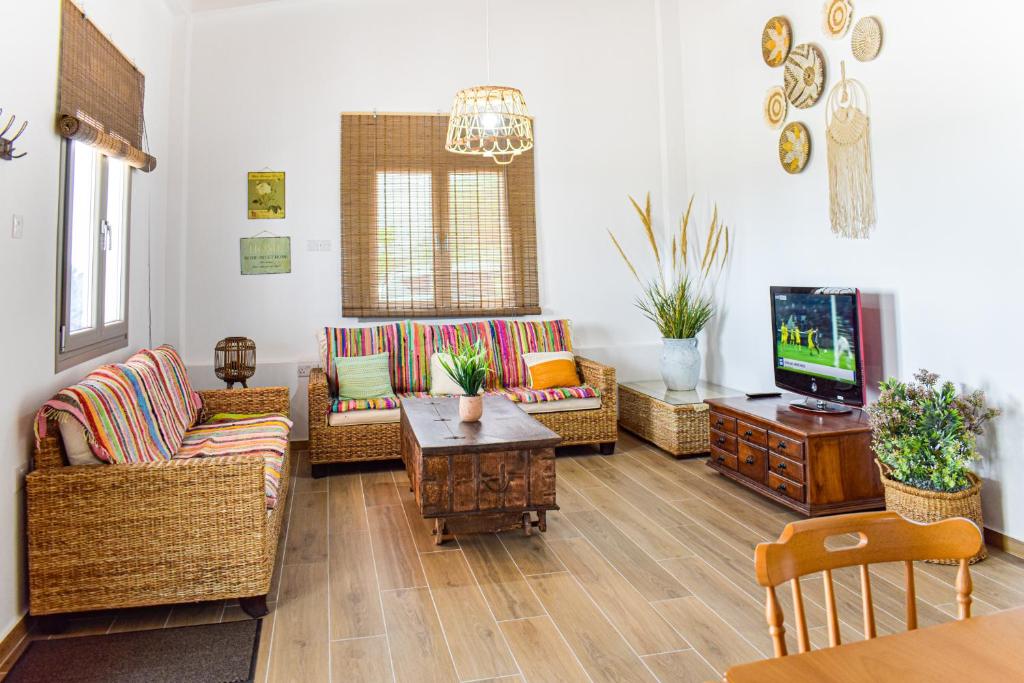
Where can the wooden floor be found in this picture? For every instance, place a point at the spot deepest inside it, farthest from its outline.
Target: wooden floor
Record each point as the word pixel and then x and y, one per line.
pixel 645 574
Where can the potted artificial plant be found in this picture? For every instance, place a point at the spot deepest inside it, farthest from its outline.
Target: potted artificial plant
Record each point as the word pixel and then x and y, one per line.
pixel 924 436
pixel 679 299
pixel 468 367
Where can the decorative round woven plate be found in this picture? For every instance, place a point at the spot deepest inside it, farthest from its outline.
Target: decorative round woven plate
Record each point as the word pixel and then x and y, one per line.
pixel 804 75
pixel 775 107
pixel 776 39
pixel 794 147
pixel 867 39
pixel 837 17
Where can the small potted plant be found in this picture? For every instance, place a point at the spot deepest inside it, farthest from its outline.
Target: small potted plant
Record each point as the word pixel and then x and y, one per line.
pixel 468 367
pixel 924 436
pixel 679 299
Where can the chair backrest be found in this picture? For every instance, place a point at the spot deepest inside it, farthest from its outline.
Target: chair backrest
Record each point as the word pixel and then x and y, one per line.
pixel 879 537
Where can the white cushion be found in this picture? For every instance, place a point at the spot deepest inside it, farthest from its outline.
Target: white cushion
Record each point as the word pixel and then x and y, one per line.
pixel 364 417
pixel 441 383
pixel 565 405
pixel 75 445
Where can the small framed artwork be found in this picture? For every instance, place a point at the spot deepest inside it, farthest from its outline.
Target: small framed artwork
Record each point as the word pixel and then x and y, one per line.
pixel 266 255
pixel 266 194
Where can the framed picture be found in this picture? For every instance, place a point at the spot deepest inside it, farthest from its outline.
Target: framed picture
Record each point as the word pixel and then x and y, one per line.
pixel 266 255
pixel 266 194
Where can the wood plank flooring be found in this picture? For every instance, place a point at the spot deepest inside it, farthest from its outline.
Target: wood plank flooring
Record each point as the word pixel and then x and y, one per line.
pixel 646 574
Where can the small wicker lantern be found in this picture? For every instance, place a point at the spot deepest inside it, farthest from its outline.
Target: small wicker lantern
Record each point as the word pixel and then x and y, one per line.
pixel 234 360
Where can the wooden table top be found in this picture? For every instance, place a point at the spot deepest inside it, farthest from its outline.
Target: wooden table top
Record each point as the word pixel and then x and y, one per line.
pixel 437 429
pixel 985 648
pixel 777 410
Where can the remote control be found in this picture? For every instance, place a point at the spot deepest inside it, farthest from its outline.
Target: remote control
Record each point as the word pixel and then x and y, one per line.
pixel 764 394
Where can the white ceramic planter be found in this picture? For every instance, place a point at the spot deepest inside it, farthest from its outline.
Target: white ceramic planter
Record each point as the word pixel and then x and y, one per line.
pixel 680 364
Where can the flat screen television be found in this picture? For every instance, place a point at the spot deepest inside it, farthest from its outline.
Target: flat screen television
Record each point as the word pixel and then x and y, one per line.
pixel 816 344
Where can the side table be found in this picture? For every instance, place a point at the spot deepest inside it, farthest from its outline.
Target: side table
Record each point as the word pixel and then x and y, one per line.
pixel 676 421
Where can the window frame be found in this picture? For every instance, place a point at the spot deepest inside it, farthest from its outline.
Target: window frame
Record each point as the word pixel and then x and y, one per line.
pixel 102 338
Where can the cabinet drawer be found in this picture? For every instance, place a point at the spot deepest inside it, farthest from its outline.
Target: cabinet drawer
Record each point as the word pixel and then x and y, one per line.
pixel 786 468
pixel 783 445
pixel 786 487
pixel 724 459
pixel 752 433
pixel 727 442
pixel 752 461
pixel 723 423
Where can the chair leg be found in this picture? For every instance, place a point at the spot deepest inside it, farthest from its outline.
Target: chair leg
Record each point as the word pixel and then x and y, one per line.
pixel 320 470
pixel 255 606
pixel 607 448
pixel 51 624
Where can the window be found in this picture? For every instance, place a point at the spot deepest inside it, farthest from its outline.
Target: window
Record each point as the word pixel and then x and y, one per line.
pixel 429 233
pixel 94 275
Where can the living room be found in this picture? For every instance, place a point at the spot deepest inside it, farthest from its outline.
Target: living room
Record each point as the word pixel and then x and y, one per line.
pixel 245 219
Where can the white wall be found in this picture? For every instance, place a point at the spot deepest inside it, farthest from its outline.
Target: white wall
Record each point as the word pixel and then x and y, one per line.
pixel 268 83
pixel 28 267
pixel 948 152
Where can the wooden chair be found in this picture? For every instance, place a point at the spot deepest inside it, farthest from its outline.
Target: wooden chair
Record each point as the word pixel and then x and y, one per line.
pixel 883 537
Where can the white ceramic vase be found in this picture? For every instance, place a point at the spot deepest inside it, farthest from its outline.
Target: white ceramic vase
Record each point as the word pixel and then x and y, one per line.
pixel 471 408
pixel 680 364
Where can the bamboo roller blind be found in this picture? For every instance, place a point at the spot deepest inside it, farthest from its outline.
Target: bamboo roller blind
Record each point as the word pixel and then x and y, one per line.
pixel 429 233
pixel 101 92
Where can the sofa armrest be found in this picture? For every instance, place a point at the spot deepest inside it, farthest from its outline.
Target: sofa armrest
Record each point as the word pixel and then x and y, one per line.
pixel 597 375
pixel 247 401
pixel 319 399
pixel 96 530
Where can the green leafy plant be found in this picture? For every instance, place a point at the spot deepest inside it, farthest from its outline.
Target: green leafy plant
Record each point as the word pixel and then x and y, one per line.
pixel 925 432
pixel 468 367
pixel 679 299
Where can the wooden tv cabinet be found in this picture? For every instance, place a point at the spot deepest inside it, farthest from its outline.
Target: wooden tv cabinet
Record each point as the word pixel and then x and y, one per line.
pixel 816 465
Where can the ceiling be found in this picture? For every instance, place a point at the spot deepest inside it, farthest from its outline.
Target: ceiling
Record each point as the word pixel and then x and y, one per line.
pixel 207 5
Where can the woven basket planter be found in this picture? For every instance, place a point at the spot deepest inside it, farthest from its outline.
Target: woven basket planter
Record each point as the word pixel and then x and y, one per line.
pixel 920 505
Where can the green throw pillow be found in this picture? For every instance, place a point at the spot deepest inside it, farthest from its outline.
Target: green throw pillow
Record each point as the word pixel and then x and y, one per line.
pixel 363 376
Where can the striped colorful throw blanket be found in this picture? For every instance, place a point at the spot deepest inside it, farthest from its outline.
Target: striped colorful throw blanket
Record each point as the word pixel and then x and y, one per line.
pixel 264 436
pixel 136 411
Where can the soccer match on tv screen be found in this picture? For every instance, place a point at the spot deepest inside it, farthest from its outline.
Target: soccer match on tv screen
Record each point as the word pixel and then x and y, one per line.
pixel 814 335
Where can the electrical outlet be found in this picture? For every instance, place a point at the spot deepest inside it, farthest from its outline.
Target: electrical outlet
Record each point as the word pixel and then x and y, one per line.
pixel 318 245
pixel 17 226
pixel 304 369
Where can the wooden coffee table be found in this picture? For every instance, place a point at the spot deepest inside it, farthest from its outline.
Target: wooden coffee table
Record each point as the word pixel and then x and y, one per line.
pixel 493 474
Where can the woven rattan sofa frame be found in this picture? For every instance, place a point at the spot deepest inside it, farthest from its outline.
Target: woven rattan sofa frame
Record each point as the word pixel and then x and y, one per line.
pixel 179 531
pixel 359 443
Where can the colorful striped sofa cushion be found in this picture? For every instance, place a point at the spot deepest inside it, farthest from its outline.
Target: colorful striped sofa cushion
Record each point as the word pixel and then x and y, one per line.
pixel 264 436
pixel 364 341
pixel 513 338
pixel 527 395
pixel 131 412
pixel 116 415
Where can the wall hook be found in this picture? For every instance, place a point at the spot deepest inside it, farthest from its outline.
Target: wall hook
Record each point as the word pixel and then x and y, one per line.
pixel 7 144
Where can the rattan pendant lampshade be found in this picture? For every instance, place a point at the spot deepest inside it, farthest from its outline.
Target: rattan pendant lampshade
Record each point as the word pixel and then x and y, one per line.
pixel 490 120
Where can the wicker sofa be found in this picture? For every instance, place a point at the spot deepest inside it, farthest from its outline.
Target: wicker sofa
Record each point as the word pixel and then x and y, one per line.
pixel 150 533
pixel 578 422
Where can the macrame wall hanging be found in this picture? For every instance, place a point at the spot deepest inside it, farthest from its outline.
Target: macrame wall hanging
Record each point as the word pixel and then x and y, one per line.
pixel 851 191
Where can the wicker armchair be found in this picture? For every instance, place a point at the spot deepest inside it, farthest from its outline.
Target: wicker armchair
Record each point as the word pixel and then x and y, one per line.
pixel 113 536
pixel 352 443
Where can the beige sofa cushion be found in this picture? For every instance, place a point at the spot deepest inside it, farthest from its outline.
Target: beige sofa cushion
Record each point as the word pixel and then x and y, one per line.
pixel 75 446
pixel 563 406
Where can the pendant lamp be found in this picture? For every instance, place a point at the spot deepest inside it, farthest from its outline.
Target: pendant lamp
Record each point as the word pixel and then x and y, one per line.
pixel 490 120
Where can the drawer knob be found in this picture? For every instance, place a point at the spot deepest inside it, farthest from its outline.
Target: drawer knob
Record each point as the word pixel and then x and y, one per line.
pixel 748 433
pixel 749 460
pixel 721 440
pixel 719 422
pixel 782 465
pixel 781 487
pixel 721 458
pixel 782 445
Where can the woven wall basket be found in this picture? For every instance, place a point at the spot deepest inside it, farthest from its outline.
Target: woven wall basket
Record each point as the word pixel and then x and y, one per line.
pixel 933 506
